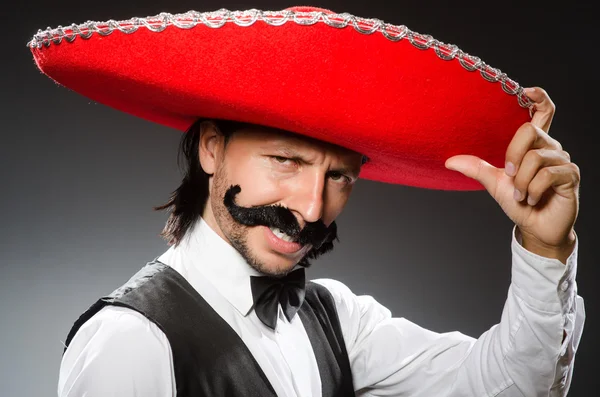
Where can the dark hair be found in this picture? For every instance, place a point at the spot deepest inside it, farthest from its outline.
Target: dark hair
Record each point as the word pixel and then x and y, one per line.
pixel 187 202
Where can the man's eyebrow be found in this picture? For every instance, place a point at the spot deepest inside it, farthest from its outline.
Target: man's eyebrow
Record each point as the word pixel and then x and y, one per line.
pixel 290 153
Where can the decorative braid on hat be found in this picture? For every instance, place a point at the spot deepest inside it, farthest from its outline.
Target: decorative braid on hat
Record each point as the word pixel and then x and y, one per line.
pixel 216 19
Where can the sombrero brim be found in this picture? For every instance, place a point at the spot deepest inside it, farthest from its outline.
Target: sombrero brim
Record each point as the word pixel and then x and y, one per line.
pixel 405 100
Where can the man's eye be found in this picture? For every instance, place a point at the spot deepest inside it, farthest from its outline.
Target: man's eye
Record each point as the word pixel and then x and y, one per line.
pixel 280 159
pixel 285 161
pixel 337 176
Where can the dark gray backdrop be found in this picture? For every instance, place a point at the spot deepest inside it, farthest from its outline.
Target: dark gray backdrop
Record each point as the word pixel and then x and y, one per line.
pixel 79 181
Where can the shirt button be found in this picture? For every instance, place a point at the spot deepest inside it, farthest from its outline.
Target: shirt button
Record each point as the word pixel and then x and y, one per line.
pixel 564 286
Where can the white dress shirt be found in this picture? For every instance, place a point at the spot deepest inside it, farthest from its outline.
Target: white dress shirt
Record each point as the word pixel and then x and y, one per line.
pixel 119 352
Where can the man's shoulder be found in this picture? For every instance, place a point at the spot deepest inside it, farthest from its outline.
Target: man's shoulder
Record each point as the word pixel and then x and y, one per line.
pixel 111 314
pixel 345 300
pixel 117 325
pixel 348 303
pixel 113 342
pixel 335 287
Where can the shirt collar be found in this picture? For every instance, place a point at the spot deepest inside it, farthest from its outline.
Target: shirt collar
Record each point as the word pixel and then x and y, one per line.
pixel 219 262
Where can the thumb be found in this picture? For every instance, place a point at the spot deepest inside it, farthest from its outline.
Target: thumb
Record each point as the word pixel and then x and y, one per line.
pixel 475 168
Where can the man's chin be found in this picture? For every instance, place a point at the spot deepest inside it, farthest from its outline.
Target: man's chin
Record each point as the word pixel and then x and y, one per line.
pixel 276 264
pixel 275 270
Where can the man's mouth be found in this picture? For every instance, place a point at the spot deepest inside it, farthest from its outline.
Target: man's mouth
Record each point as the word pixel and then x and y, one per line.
pixel 279 233
pixel 281 242
pixel 274 219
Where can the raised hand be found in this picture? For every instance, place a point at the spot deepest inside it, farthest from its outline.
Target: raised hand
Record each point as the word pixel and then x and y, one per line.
pixel 539 187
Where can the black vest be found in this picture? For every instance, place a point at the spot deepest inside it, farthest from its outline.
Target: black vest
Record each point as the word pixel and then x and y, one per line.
pixel 209 358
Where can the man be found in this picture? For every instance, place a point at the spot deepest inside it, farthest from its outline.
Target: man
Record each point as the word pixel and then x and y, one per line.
pixel 227 310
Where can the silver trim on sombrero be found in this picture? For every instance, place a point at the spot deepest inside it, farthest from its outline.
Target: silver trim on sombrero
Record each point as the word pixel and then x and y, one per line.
pixel 216 19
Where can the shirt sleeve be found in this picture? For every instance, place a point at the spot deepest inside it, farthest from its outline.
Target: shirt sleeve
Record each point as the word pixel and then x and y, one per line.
pixel 523 355
pixel 117 352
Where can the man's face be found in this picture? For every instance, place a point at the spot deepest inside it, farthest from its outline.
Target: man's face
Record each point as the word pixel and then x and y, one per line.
pixel 310 178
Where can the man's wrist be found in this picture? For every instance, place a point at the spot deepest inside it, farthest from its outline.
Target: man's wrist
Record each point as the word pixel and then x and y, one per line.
pixel 561 252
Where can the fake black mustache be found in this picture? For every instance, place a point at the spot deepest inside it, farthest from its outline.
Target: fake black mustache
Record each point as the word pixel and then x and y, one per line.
pixel 276 216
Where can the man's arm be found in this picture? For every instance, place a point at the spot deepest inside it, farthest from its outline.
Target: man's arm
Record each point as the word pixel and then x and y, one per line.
pixel 524 355
pixel 117 352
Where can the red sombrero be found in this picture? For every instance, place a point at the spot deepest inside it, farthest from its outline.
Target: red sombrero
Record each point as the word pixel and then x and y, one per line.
pixel 405 100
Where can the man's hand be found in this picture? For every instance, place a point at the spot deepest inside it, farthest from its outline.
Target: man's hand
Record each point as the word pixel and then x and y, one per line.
pixel 538 188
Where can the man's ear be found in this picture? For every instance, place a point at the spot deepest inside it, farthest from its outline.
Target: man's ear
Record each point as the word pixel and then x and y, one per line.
pixel 209 147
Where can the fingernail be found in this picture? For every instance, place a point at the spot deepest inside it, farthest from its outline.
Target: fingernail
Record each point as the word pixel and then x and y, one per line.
pixel 531 200
pixel 509 169
pixel 517 195
pixel 529 90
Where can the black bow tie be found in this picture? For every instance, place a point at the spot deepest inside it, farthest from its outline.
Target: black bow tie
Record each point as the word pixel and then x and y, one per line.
pixel 267 292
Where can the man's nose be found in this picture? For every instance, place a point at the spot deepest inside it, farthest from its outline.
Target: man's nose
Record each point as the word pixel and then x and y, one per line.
pixel 308 197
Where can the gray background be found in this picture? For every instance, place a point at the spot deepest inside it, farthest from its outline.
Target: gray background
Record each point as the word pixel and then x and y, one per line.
pixel 80 179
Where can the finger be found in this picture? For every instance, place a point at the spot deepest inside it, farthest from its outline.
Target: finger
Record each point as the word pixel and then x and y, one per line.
pixel 527 137
pixel 476 168
pixel 544 108
pixel 534 161
pixel 564 179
